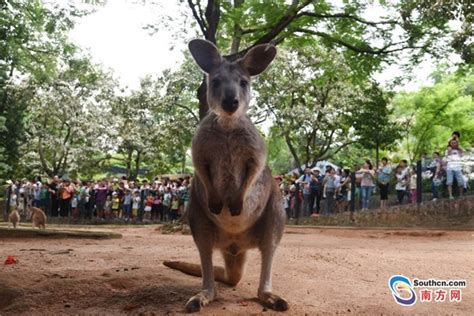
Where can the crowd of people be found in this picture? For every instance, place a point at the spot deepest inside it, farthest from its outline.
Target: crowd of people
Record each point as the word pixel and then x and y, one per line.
pixel 311 194
pixel 160 200
pixel 315 193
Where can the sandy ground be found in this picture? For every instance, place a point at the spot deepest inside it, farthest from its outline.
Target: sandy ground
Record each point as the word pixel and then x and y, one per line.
pixel 319 271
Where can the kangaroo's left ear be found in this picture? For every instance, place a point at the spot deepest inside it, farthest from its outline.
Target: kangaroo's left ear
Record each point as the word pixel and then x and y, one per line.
pixel 205 54
pixel 258 58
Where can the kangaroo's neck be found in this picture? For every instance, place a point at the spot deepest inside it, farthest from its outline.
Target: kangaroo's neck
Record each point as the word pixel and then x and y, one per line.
pixel 230 123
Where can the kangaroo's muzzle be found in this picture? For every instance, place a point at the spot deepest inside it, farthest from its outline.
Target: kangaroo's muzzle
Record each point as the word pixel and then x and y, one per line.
pixel 230 104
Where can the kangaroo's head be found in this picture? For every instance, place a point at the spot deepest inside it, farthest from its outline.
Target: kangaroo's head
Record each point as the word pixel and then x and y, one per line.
pixel 228 82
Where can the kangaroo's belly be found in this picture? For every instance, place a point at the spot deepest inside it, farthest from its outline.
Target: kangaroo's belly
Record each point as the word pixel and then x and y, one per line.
pixel 253 207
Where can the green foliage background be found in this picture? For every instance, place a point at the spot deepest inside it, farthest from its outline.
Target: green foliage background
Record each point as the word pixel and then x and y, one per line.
pixel 60 113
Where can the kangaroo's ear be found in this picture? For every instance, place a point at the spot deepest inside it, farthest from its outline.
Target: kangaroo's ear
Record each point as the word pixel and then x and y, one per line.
pixel 258 58
pixel 205 54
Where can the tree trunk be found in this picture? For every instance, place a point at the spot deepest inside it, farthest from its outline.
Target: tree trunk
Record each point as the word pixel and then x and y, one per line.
pixel 3 103
pixel 183 161
pixel 202 97
pixel 377 148
pixel 129 163
pixel 137 164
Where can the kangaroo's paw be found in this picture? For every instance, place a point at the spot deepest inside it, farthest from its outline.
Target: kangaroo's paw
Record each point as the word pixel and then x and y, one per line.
pixel 215 207
pixel 199 300
pixel 235 207
pixel 273 301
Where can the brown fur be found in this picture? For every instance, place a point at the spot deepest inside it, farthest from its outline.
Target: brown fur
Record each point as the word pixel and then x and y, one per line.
pixel 38 217
pixel 14 218
pixel 235 204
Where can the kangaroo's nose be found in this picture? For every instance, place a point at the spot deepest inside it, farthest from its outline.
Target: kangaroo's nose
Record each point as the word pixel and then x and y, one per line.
pixel 230 104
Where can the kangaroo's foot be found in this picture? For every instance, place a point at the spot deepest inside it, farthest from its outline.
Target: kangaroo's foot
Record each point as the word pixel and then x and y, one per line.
pixel 199 300
pixel 273 301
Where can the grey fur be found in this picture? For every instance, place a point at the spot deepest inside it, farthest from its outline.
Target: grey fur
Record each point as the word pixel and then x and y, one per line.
pixel 235 204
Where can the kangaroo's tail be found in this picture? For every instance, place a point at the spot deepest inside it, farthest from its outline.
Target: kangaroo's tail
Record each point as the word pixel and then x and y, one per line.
pixel 195 270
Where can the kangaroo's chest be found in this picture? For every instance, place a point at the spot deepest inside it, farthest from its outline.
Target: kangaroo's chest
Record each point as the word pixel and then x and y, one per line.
pixel 227 157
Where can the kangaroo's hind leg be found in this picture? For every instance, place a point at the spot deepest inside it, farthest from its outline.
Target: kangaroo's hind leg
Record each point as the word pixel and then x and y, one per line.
pixel 274 221
pixel 203 231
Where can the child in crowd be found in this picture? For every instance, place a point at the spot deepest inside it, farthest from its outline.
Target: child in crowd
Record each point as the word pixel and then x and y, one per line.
pixel 413 181
pixel 135 204
pixel 115 205
pixel 174 208
pixel 148 206
pixel 155 211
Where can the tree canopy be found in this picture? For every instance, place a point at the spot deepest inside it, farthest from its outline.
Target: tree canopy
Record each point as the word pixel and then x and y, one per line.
pixel 61 113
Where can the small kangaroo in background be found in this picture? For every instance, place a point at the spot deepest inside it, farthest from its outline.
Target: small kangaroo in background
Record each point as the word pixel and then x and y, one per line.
pixel 38 217
pixel 14 218
pixel 235 204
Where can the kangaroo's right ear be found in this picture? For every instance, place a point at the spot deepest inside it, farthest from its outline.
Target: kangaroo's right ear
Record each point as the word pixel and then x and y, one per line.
pixel 205 54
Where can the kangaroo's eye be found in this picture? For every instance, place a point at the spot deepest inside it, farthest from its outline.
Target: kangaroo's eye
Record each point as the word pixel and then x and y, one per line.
pixel 215 82
pixel 244 83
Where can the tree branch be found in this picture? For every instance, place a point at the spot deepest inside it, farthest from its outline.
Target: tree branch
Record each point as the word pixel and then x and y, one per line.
pixel 236 38
pixel 287 139
pixel 363 50
pixel 213 16
pixel 279 27
pixel 43 162
pixel 198 17
pixel 188 110
pixel 346 16
pixel 324 157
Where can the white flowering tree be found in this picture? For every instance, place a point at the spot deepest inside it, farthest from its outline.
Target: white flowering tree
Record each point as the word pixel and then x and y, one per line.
pixel 155 123
pixel 69 125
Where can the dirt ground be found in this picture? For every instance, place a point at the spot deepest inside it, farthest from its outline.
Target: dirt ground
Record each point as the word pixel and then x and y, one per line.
pixel 319 271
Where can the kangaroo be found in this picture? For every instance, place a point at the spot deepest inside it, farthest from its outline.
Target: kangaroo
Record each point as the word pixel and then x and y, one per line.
pixel 38 217
pixel 235 204
pixel 14 218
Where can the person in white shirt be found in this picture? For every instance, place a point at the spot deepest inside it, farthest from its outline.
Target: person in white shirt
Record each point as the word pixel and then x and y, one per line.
pixel 401 185
pixel 454 166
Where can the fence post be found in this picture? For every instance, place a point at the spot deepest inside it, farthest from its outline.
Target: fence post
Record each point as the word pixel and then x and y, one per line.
pixel 353 190
pixel 419 182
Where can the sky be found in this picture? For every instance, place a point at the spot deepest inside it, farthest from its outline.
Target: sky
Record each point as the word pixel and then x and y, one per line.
pixel 114 35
